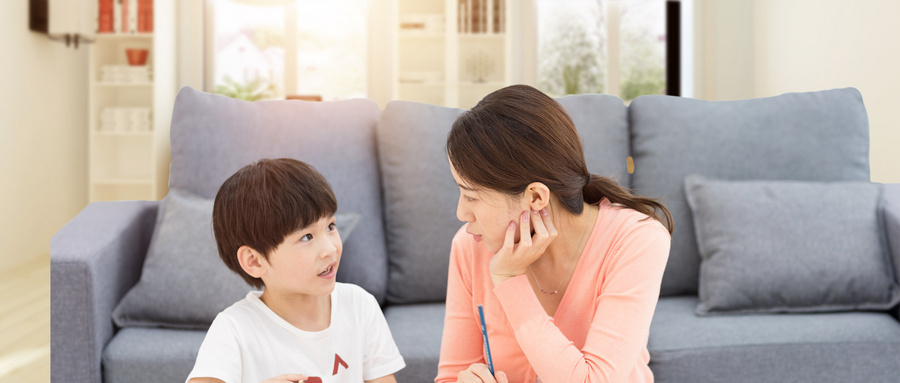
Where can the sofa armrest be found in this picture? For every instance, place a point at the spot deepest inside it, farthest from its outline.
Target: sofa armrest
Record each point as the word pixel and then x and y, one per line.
pixel 94 260
pixel 891 211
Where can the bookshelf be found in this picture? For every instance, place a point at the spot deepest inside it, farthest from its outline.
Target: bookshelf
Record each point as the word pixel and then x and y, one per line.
pixel 450 52
pixel 130 105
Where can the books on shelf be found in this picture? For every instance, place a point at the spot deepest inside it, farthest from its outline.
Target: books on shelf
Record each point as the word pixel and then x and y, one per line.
pixel 422 24
pixel 481 16
pixel 145 16
pixel 125 16
pixel 105 20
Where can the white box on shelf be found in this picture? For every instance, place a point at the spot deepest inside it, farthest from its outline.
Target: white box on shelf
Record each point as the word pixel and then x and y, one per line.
pixel 124 120
pixel 124 74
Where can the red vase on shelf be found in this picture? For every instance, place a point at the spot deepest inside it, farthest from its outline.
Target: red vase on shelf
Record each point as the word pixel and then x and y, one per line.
pixel 136 57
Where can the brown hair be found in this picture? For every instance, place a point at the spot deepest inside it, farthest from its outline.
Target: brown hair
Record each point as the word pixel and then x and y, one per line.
pixel 518 135
pixel 264 202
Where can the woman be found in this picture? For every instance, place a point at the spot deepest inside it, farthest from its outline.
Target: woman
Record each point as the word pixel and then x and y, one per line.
pixel 567 264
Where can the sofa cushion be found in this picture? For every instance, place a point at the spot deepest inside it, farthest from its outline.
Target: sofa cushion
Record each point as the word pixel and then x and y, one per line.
pixel 420 194
pixel 419 199
pixel 890 210
pixel 787 246
pixel 829 347
pixel 141 355
pixel 602 122
pixel 816 136
pixel 183 257
pixel 213 136
pixel 417 331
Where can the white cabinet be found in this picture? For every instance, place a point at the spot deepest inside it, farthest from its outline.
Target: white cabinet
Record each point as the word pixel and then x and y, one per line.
pixel 450 52
pixel 130 110
pixel 72 17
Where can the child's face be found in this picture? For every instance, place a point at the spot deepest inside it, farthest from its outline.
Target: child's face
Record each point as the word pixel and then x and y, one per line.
pixel 306 262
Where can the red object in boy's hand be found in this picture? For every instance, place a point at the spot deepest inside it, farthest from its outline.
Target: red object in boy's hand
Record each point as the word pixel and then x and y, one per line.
pixel 313 379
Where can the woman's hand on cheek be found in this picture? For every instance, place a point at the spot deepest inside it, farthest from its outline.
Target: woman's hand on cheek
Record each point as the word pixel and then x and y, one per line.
pixel 514 258
pixel 480 373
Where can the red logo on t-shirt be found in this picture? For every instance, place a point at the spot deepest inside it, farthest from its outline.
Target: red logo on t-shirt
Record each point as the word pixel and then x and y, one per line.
pixel 338 361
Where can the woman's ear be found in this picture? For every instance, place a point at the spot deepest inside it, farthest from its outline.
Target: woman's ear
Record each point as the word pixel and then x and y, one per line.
pixel 251 261
pixel 537 196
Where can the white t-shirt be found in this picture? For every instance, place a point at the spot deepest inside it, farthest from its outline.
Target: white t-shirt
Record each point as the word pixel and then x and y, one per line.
pixel 248 342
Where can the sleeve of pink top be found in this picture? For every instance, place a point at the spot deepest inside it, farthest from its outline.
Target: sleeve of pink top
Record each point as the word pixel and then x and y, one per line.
pixel 461 341
pixel 621 324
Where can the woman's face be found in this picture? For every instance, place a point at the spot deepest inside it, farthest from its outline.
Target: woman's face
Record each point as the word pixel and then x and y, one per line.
pixel 487 212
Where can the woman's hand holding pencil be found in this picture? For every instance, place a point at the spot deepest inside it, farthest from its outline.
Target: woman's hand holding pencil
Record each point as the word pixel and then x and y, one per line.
pixel 480 373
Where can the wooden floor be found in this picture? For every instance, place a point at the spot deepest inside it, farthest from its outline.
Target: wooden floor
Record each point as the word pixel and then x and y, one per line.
pixel 25 322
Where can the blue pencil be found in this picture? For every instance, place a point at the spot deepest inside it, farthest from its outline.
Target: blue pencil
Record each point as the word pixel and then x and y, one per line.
pixel 487 346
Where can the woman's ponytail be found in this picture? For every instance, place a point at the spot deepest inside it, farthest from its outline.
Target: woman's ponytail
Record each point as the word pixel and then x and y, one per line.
pixel 599 187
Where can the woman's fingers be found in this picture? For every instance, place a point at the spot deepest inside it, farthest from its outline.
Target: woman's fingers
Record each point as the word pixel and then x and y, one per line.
pixel 524 231
pixel 509 242
pixel 501 377
pixel 540 231
pixel 476 373
pixel 548 222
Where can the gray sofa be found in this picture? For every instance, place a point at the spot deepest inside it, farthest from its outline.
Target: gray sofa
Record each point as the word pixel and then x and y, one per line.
pixel 834 320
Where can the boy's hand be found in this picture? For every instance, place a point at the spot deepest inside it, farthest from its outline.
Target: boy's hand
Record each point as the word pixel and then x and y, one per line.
pixel 294 378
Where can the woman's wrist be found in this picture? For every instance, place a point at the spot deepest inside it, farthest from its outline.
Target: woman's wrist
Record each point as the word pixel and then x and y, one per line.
pixel 500 278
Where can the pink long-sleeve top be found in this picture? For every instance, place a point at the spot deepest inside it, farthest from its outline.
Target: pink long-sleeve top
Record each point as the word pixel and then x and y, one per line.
pixel 599 332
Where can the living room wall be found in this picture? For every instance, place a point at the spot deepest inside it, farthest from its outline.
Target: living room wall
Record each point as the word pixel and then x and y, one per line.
pixel 43 136
pixel 819 44
pixel 763 48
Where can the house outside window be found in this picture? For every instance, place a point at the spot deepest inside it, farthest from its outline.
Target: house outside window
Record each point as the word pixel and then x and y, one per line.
pixel 273 49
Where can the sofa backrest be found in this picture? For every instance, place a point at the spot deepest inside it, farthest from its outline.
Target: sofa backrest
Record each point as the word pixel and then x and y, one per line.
pixel 420 194
pixel 213 136
pixel 815 136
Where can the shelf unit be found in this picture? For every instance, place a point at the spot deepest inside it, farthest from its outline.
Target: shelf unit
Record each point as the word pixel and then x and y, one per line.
pixel 436 61
pixel 130 162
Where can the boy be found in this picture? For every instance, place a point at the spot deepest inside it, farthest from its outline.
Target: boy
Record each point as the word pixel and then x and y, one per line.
pixel 274 226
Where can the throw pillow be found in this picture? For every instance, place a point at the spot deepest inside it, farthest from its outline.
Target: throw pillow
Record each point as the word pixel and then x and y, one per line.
pixel 184 283
pixel 783 246
pixel 811 136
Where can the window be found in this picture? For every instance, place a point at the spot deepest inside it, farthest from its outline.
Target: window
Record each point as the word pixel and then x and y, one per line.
pixel 272 49
pixel 606 46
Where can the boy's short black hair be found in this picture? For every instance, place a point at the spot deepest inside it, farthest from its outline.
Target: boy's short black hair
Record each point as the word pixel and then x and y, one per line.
pixel 264 202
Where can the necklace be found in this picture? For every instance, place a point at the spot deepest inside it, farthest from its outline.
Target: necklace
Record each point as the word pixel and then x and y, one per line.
pixel 571 266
